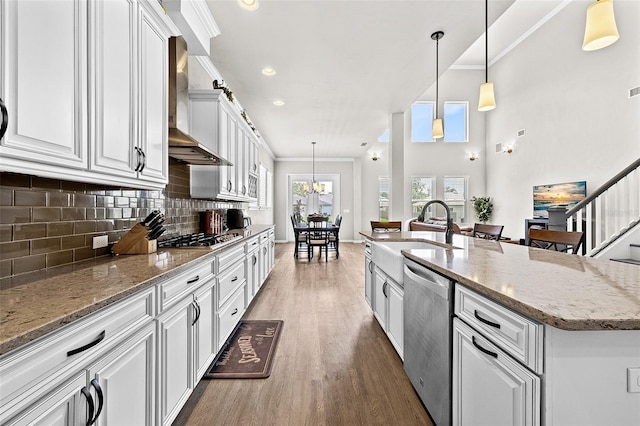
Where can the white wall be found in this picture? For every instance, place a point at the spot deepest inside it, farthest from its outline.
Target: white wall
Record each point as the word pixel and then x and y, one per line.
pixel 580 123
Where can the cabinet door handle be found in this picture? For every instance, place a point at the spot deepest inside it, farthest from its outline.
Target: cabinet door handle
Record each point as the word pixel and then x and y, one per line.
pixel 384 289
pixel 138 162
pixel 194 279
pixel 196 307
pixel 255 259
pixel 229 185
pixel 234 278
pixel 371 266
pixel 88 345
pixel 486 321
pixel 87 395
pixel 144 160
pixel 5 118
pixel 264 250
pixel 481 349
pixel 235 311
pixel 98 389
pixel 244 189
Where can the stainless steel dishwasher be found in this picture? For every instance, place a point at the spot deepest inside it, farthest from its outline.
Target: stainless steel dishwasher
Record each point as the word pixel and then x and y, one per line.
pixel 428 307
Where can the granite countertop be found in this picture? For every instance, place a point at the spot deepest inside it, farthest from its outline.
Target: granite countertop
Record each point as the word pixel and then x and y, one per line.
pixel 566 291
pixel 35 304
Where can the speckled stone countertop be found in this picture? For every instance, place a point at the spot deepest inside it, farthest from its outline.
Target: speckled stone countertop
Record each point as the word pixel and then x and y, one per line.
pixel 566 291
pixel 33 305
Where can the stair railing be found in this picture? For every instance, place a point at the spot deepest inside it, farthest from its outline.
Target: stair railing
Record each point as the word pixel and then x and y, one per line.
pixel 608 212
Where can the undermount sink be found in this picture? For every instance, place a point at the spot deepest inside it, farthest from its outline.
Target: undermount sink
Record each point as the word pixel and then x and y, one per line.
pixel 386 255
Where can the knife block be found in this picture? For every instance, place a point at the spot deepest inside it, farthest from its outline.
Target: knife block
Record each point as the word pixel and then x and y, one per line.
pixel 135 242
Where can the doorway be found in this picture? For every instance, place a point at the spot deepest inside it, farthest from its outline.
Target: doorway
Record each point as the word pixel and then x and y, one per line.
pixel 304 198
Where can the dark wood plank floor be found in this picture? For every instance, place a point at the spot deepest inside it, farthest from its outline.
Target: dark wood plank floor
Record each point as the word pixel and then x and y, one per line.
pixel 333 365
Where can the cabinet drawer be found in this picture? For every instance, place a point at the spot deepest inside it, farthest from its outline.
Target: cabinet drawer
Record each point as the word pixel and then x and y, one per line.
pixel 49 358
pixel 171 290
pixel 264 237
pixel 229 281
pixel 230 256
pixel 519 336
pixel 252 245
pixel 231 314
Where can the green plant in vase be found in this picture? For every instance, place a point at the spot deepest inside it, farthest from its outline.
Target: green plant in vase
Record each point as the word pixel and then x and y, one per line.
pixel 483 207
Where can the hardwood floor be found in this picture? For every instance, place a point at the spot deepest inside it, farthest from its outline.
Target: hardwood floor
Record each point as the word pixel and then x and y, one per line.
pixel 333 365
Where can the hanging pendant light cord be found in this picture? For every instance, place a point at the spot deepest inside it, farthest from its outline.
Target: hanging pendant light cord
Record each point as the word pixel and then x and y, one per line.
pixel 437 45
pixel 486 41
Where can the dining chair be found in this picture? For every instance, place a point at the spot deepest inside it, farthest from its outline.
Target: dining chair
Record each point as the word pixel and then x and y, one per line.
pixel 317 221
pixel 334 236
pixel 300 238
pixel 318 238
pixel 389 226
pixel 564 241
pixel 488 232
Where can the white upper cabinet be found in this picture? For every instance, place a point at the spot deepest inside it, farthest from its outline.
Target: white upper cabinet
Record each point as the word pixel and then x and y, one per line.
pixel 153 94
pixel 218 124
pixel 44 83
pixel 87 93
pixel 112 43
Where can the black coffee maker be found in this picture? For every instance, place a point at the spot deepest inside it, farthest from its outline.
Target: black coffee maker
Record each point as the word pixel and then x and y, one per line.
pixel 235 218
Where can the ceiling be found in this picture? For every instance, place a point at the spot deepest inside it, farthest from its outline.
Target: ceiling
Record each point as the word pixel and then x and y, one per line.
pixel 344 66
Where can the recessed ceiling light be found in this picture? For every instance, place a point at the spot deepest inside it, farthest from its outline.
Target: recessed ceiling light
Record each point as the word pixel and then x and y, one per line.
pixel 268 71
pixel 278 102
pixel 249 4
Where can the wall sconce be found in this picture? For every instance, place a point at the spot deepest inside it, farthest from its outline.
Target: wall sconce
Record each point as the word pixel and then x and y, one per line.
pixel 474 156
pixel 375 157
pixel 508 149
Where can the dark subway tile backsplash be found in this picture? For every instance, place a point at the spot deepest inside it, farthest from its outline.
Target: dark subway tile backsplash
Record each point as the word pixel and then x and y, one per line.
pixel 46 222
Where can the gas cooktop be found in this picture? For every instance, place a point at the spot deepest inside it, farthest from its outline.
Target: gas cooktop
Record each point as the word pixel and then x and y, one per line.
pixel 198 240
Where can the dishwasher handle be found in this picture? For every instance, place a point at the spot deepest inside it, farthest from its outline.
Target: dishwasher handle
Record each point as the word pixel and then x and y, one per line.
pixel 440 289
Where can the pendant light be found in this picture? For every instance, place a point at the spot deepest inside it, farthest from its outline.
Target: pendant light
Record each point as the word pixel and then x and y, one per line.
pixel 487 100
pixel 315 188
pixel 600 30
pixel 437 129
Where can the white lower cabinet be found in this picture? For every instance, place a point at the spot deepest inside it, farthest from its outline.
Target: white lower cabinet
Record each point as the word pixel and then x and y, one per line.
pixel 489 387
pixel 369 269
pixel 137 361
pixel 233 294
pixel 64 406
pixel 252 265
pixel 187 345
pixel 176 341
pixel 122 383
pixel 116 389
pixel 388 308
pixel 206 345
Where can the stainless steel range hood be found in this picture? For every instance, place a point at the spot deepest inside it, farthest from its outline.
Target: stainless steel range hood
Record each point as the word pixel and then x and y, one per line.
pixel 182 146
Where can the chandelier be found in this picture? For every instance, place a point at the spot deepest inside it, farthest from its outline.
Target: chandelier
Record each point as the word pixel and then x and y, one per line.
pixel 315 187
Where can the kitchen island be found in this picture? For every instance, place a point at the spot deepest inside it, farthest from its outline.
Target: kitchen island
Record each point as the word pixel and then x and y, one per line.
pixel 584 314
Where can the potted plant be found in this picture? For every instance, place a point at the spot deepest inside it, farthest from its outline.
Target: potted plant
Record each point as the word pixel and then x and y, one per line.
pixel 483 207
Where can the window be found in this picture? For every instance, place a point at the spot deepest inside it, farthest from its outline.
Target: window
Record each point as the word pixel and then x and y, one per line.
pixel 383 198
pixel 422 190
pixel 456 121
pixel 304 201
pixel 384 137
pixel 422 114
pixel 455 195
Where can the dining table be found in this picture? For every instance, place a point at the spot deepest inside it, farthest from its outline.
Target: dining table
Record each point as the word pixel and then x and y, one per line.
pixel 303 227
